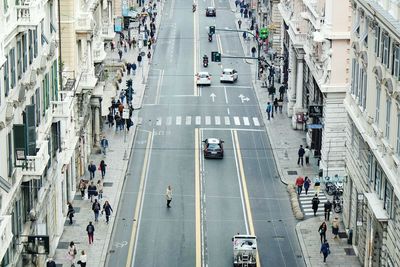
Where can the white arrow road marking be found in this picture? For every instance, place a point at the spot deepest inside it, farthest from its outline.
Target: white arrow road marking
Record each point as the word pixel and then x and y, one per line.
pixel 213 97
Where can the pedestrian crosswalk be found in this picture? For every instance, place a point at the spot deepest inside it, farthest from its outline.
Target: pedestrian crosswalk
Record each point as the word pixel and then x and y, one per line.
pixel 306 202
pixel 205 120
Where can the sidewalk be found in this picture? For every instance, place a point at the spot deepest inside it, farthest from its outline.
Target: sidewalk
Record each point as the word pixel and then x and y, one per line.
pixel 285 142
pixel 117 159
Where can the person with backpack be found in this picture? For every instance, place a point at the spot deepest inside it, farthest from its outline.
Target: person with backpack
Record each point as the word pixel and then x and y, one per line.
pixel 96 210
pixel 315 203
pixel 92 170
pixel 139 60
pixel 322 232
pixel 268 110
pixel 307 183
pixel 90 232
pixel 70 213
pixel 325 250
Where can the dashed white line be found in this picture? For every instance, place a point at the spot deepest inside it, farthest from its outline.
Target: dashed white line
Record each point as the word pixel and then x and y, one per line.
pixel 168 121
pixel 198 120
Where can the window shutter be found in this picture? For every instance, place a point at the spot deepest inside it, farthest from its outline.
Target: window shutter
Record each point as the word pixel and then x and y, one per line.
pixel 30 123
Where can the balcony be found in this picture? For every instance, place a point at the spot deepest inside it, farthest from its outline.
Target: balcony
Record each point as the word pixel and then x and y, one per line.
pixel 88 79
pixel 297 32
pixel 5 233
pixel 107 32
pixel 84 23
pixel 98 51
pixel 29 13
pixel 35 165
pixel 62 109
pixel 314 12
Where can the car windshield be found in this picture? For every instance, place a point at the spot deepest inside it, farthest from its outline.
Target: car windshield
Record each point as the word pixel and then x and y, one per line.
pixel 227 73
pixel 214 147
pixel 203 75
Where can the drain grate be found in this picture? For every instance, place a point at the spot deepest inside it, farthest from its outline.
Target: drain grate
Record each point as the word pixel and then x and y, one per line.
pixel 63 245
pixel 349 251
pixel 342 235
pixel 292 172
pixel 107 184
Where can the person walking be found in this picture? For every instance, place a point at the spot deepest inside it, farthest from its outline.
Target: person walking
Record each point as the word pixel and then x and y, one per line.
pixel 70 213
pixel 335 227
pixel 322 232
pixel 327 210
pixel 282 90
pixel 307 184
pixel 99 188
pixel 50 263
pixel 325 250
pixel 82 259
pixel 317 185
pixel 104 144
pixel 300 153
pixel 268 110
pixel 82 187
pixel 253 51
pixel 92 170
pixel 96 210
pixel 117 122
pixel 134 67
pixel 71 253
pixel 307 153
pixel 168 196
pixel 315 203
pixel 107 210
pixel 110 118
pixel 149 56
pixel 240 23
pixel 120 54
pixel 139 60
pixel 276 104
pixel 91 191
pixel 280 105
pixel 90 232
pixel 299 184
pixel 102 168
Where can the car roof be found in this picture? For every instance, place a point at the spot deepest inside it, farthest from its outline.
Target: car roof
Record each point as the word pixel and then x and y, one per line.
pixel 228 70
pixel 210 7
pixel 213 141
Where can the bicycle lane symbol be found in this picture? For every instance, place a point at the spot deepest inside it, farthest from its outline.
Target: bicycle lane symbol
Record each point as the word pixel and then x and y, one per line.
pixel 121 244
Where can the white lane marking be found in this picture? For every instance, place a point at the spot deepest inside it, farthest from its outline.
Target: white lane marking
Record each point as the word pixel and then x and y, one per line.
pixel 226 95
pixel 230 129
pixel 159 84
pixel 230 86
pixel 228 111
pixel 246 121
pixel 198 120
pixel 256 121
pixel 227 120
pixel 159 121
pixel 236 120
pixel 188 120
pixel 217 120
pixel 168 121
pixel 208 120
pixel 178 120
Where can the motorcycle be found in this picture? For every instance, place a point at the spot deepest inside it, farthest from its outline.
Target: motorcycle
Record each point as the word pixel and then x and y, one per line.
pixel 337 204
pixel 210 37
pixel 205 62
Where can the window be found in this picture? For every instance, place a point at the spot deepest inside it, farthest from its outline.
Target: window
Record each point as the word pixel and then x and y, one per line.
pixel 37 106
pixel 377 40
pixel 11 56
pixel 377 183
pixel 364 37
pixel 388 109
pixel 6 77
pixel 370 167
pixel 396 62
pixel 385 52
pixel 10 156
pixel 35 43
pixel 43 38
pixel 24 53
pixel 5 6
pixel 45 94
pixel 356 23
pixel 356 80
pixel 54 81
pixel 398 135
pixel 363 89
pixel 30 46
pixel 387 200
pixel 378 101
pixel 353 73
pixel 19 59
pixel 352 134
pixel 51 20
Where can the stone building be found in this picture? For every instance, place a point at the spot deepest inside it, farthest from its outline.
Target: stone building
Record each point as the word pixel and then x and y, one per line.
pixel 372 188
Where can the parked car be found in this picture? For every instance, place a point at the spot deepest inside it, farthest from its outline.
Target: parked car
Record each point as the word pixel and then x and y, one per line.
pixel 203 78
pixel 211 12
pixel 229 75
pixel 213 148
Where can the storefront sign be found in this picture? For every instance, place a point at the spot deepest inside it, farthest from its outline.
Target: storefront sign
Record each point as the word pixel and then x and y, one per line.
pixel 118 24
pixel 125 8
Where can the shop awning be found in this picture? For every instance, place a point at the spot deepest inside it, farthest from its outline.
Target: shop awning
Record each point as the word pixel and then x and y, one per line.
pixel 376 206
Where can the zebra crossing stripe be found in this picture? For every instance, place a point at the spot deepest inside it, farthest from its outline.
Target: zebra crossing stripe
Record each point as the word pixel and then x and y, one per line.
pixel 178 120
pixel 168 121
pixel 256 121
pixel 188 120
pixel 198 120
pixel 208 120
pixel 159 121
pixel 227 121
pixel 246 121
pixel 236 120
pixel 217 120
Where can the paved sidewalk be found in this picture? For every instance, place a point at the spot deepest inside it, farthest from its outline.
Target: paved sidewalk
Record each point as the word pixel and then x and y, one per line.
pixel 117 158
pixel 285 142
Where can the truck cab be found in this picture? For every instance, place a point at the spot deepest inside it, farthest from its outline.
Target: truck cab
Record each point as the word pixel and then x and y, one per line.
pixel 244 250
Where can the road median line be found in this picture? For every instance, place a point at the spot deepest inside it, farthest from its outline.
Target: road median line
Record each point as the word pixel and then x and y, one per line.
pixel 197 198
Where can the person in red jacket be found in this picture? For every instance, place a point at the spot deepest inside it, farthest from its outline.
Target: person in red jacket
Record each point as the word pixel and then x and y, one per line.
pixel 299 184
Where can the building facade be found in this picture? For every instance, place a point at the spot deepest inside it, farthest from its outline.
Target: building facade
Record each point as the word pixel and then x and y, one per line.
pixel 372 188
pixel 315 49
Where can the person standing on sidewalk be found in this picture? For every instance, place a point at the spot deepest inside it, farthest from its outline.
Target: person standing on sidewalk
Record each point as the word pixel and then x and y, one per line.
pixel 253 51
pixel 102 168
pixel 82 187
pixel 335 227
pixel 307 184
pixel 71 253
pixel 100 188
pixel 315 203
pixel 300 153
pixel 268 110
pixel 96 210
pixel 282 90
pixel 327 210
pixel 107 210
pixel 322 232
pixel 134 67
pixel 168 196
pixel 149 56
pixel 240 23
pixel 307 153
pixel 139 60
pixel 70 213
pixel 325 250
pixel 104 144
pixel 276 104
pixel 90 232
pixel 82 259
pixel 92 170
pixel 317 185
pixel 299 184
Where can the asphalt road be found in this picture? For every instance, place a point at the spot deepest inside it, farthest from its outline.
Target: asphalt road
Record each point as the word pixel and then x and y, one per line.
pixel 212 199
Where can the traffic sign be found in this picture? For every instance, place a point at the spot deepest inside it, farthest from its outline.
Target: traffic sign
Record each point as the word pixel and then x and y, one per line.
pixel 125 113
pixel 215 56
pixel 212 30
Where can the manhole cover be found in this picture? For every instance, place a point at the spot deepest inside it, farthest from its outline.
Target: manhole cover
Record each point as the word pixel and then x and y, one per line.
pixel 342 235
pixel 292 172
pixel 349 251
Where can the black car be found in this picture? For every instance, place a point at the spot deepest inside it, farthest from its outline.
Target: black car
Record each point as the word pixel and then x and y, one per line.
pixel 213 148
pixel 211 12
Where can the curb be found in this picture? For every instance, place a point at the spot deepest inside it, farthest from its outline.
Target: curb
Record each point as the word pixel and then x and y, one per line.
pixel 302 243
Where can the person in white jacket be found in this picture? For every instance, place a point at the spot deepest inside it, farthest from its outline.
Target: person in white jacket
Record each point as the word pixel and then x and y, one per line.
pixel 83 259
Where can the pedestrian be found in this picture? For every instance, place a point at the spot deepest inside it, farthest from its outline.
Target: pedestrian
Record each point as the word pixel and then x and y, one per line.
pixel 112 45
pixel 236 3
pixel 120 54
pixel 90 232
pixel 325 250
pixel 268 110
pixel 335 227
pixel 71 253
pixel 110 118
pixel 315 203
pixel 317 185
pixel 96 210
pixel 134 67
pixel 280 105
pixel 128 68
pixel 92 170
pixel 149 43
pixel 322 232
pixel 241 12
pixel 125 47
pixel 245 13
pixel 276 105
pixel 130 44
pixel 253 51
pixel 104 144
pixel 50 263
pixel 139 60
pixel 102 168
pixel 149 56
pixel 82 187
pixel 327 210
pixel 240 23
pixel 245 36
pixel 129 123
pixel 91 191
pixel 307 153
pixel 168 196
pixel 250 13
pixel 117 119
pixel 282 90
pixel 299 184
pixel 82 259
pixel 300 153
pixel 307 184
pixel 70 213
pixel 121 106
pixel 99 188
pixel 107 210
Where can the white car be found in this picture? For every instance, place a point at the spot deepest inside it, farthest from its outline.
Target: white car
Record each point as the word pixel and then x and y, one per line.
pixel 203 78
pixel 229 75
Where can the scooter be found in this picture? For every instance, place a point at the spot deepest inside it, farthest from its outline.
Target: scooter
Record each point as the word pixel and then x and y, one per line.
pixel 337 204
pixel 205 62
pixel 210 37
